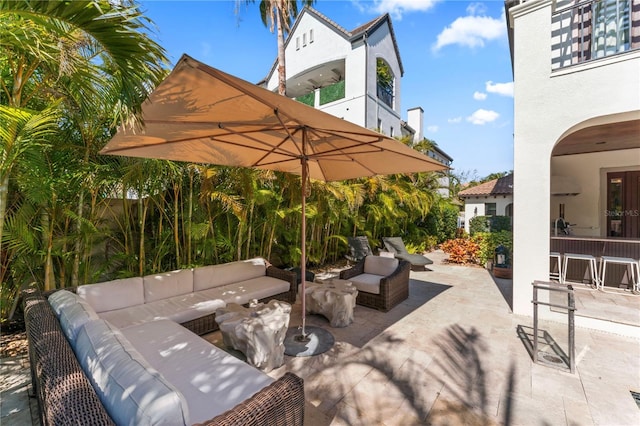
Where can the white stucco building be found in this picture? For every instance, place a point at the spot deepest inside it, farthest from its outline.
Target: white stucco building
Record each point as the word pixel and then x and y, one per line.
pixel 355 75
pixel 576 67
pixel 493 198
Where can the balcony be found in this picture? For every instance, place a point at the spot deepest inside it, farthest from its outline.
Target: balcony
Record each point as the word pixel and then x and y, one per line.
pixel 593 29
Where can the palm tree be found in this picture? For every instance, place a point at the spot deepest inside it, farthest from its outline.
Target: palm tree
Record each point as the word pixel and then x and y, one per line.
pixel 280 14
pixel 63 65
pixel 53 47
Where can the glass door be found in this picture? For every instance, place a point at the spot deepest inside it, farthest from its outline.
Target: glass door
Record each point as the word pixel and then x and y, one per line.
pixel 623 210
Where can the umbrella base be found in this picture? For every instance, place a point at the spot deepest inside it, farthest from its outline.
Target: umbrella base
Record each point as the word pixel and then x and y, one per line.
pixel 317 341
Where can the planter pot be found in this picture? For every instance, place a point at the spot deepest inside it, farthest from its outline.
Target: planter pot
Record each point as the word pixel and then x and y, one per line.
pixel 503 273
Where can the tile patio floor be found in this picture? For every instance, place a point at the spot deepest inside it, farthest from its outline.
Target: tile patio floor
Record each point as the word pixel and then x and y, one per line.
pixel 450 355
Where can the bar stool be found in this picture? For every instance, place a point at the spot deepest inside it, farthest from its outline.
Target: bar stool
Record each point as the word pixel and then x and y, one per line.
pixel 633 267
pixel 556 275
pixel 593 268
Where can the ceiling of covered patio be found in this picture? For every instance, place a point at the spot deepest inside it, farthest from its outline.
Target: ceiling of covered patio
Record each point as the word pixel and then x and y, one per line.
pixel 599 138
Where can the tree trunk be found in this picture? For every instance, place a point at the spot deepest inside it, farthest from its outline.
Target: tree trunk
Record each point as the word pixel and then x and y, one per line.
pixel 282 77
pixel 4 197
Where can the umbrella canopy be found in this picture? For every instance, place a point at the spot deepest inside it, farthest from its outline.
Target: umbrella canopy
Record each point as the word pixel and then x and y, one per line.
pixel 202 115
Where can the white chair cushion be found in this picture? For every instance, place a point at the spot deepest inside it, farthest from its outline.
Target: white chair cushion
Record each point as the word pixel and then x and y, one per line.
pixel 242 292
pixel 166 285
pixel 111 295
pixel 368 283
pixel 380 265
pixel 132 392
pixel 211 276
pixel 72 311
pixel 211 380
pixel 178 308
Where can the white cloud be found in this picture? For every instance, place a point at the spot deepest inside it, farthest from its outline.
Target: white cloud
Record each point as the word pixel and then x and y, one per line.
pixel 476 9
pixel 396 8
pixel 432 128
pixel 482 117
pixel 454 120
pixel 504 89
pixel 471 31
pixel 479 96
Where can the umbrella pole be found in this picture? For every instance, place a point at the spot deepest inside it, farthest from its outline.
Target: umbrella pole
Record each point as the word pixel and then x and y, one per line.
pixel 303 255
pixel 318 340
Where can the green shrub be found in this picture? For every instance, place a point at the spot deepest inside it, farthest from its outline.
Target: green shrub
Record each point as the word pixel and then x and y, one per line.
pixel 488 241
pixel 431 241
pixel 489 224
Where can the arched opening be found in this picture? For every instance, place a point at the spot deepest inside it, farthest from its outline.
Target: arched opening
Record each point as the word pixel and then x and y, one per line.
pixel 385 82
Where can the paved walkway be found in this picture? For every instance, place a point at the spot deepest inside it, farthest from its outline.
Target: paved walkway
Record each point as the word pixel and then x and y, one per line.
pixel 451 355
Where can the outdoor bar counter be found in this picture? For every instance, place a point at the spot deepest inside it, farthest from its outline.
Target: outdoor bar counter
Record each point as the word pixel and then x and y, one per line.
pixel 597 247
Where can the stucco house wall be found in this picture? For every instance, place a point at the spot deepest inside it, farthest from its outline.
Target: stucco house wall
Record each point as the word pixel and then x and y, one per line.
pixel 547 104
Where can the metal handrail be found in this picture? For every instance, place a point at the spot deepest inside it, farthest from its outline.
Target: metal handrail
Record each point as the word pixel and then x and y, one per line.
pixel 570 307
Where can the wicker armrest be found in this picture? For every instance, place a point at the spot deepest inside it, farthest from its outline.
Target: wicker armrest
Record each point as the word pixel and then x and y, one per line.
pixel 289 276
pixel 356 269
pixel 395 287
pixel 280 404
pixel 65 394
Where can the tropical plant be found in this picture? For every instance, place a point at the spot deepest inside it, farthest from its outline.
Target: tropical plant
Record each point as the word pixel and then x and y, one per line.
pixel 60 64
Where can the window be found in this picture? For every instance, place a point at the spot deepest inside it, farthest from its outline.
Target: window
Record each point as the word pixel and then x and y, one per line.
pixel 391 131
pixel 490 209
pixel 385 82
pixel 297 43
pixel 304 39
pixel 603 28
pixel 310 36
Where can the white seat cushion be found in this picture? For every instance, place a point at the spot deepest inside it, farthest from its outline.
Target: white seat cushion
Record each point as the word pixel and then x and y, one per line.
pixel 380 265
pixel 72 311
pixel 131 390
pixel 166 285
pixel 111 295
pixel 178 308
pixel 368 283
pixel 212 276
pixel 211 380
pixel 242 292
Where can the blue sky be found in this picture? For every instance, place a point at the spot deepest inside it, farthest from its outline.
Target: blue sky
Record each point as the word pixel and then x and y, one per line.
pixel 455 56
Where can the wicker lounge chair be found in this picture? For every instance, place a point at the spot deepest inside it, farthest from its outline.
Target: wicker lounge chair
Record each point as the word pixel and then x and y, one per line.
pixel 359 248
pixel 396 246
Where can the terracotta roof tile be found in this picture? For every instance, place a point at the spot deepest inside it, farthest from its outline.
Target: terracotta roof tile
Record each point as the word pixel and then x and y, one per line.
pixel 501 186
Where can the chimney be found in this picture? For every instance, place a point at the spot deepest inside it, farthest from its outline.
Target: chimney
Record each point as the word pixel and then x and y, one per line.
pixel 414 120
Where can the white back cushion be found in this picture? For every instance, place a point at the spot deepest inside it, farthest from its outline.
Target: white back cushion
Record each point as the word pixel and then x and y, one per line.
pixel 380 265
pixel 132 392
pixel 72 311
pixel 227 273
pixel 111 295
pixel 169 284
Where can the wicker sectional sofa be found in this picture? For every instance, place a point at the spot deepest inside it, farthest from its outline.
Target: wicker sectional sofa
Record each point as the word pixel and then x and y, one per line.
pixel 86 370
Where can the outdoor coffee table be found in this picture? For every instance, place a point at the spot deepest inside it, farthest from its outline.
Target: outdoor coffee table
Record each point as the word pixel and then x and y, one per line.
pixel 257 331
pixel 334 299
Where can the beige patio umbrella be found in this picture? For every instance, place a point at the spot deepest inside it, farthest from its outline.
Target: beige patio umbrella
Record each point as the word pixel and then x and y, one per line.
pixel 202 115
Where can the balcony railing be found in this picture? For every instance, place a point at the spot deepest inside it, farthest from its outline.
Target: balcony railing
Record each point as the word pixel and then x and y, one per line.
pixel 332 93
pixel 385 94
pixel 594 29
pixel 308 99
